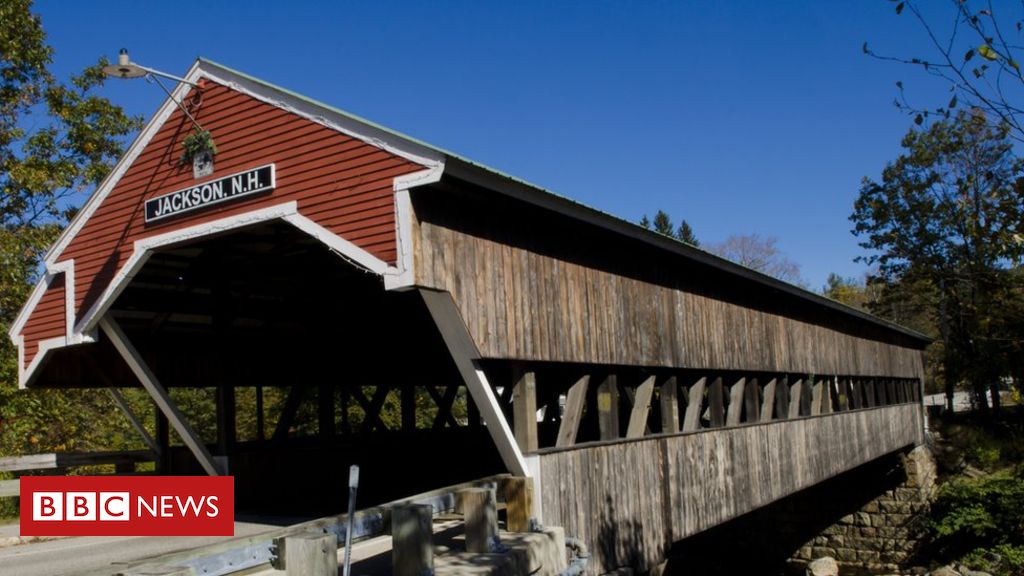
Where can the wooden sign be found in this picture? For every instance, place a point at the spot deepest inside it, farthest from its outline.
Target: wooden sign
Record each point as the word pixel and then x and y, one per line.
pixel 211 193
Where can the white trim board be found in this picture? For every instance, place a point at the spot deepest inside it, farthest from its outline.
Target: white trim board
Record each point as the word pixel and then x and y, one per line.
pixel 144 249
pixel 466 356
pixel 401 276
pixel 323 115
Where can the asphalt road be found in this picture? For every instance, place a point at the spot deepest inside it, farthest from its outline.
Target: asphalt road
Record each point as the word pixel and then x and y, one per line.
pixel 79 555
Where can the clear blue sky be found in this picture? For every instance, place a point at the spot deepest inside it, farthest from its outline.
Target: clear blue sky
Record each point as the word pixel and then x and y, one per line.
pixel 741 117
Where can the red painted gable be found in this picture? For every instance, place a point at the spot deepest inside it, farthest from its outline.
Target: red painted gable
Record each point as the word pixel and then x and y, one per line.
pixel 342 183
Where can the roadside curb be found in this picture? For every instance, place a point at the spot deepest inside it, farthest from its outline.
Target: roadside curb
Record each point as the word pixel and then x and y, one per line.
pixel 9 541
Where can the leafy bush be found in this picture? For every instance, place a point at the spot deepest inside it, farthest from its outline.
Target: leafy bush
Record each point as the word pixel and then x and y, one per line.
pixel 1004 560
pixel 980 521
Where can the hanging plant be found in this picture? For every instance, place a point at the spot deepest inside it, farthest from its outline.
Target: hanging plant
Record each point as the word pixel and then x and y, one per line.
pixel 198 142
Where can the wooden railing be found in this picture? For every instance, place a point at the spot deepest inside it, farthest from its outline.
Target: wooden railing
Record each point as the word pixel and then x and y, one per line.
pixel 630 499
pixel 123 461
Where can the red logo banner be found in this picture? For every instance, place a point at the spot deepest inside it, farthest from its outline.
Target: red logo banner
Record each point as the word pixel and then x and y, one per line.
pixel 127 506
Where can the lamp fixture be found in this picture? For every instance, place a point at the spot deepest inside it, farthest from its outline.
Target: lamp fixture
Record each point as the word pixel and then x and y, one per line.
pixel 126 69
pixel 199 146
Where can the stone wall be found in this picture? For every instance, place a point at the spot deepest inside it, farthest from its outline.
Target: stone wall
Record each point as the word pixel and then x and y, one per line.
pixel 870 519
pixel 886 532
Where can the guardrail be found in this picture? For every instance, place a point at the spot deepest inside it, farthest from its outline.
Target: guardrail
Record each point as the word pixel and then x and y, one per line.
pixel 262 549
pixel 124 462
pixel 62 460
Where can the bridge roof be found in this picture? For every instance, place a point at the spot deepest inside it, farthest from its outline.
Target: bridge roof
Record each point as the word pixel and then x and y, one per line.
pixel 316 147
pixel 536 194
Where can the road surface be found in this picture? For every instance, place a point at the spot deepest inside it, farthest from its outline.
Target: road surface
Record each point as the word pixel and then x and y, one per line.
pixel 82 555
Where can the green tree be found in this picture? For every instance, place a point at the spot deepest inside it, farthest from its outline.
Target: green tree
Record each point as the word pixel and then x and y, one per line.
pixel 849 291
pixel 685 233
pixel 57 141
pixel 944 220
pixel 662 224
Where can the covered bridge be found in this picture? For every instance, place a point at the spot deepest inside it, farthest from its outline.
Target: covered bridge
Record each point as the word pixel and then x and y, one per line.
pixel 637 380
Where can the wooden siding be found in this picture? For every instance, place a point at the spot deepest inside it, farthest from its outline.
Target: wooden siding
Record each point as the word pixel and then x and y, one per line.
pixel 342 183
pixel 48 319
pixel 629 501
pixel 521 304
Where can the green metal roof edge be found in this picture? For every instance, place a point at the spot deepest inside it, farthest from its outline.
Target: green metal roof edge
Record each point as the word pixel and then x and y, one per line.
pixel 799 290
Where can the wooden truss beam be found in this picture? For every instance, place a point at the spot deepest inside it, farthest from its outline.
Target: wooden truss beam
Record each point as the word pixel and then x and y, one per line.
pixel 691 421
pixel 467 359
pixel 641 409
pixel 569 428
pixel 119 399
pixel 159 394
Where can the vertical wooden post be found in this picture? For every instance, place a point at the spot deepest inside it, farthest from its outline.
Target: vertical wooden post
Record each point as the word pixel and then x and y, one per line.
pixel 694 405
pixel 796 398
pixel 716 403
pixel 782 398
pixel 752 401
pixel 524 409
pixel 768 402
pixel 816 394
pixel 412 549
pixel 843 397
pixel 608 408
pixel 736 394
pixel 856 400
pixel 479 507
pixel 880 392
pixel 641 409
pixel 668 396
pixel 574 402
pixel 518 494
pixel 870 392
pixel 311 554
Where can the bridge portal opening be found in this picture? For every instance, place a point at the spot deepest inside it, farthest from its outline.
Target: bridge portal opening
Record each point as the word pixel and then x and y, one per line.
pixel 291 364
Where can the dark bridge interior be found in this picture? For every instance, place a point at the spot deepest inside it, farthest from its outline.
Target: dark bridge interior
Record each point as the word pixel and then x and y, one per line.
pixel 294 364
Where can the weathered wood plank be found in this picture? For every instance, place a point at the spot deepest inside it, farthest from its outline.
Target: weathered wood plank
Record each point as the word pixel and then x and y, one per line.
pixel 796 396
pixel 629 501
pixel 9 488
pixel 694 406
pixel 668 396
pixel 569 428
pixel 769 400
pixel 641 409
pixel 752 401
pixel 736 395
pixel 601 317
pixel 782 396
pixel 524 410
pixel 608 408
pixel 716 403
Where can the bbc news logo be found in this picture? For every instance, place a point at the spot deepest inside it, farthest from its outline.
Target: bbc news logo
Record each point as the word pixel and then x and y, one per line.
pixel 127 506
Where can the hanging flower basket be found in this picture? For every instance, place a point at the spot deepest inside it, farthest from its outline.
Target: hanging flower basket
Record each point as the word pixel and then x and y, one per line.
pixel 198 149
